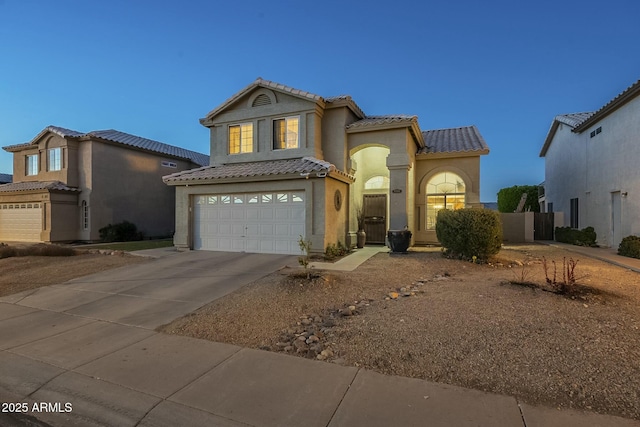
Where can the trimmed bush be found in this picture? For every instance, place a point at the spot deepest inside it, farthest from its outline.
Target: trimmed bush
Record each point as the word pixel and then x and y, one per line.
pixel 585 237
pixel 124 231
pixel 508 198
pixel 469 233
pixel 630 246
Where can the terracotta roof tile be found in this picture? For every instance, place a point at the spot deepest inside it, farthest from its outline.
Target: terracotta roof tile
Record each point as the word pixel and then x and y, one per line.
pixel 124 139
pixel 573 119
pixel 301 166
pixel 453 140
pixel 382 120
pixel 36 185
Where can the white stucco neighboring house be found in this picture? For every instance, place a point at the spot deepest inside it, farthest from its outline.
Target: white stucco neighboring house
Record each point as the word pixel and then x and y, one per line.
pixel 287 163
pixel 591 168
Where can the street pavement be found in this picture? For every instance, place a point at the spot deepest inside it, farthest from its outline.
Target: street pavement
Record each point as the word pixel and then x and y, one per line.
pixel 85 353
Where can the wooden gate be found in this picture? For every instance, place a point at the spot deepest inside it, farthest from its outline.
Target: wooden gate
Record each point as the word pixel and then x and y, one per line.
pixel 543 226
pixel 375 217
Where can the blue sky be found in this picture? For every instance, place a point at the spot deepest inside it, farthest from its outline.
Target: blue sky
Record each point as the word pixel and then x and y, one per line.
pixel 153 68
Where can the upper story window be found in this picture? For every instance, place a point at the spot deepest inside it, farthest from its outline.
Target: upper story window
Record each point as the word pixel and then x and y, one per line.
pixel 241 138
pixel 55 159
pixel 285 133
pixel 32 164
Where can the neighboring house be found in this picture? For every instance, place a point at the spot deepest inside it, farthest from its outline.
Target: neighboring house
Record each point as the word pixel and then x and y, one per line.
pixel 67 185
pixel 5 178
pixel 591 168
pixel 287 163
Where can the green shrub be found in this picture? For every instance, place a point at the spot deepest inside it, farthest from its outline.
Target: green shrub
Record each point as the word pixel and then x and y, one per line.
pixel 630 246
pixel 585 237
pixel 469 233
pixel 335 251
pixel 509 198
pixel 124 231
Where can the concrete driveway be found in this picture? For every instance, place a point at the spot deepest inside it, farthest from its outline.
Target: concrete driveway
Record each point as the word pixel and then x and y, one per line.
pixel 152 294
pixel 85 354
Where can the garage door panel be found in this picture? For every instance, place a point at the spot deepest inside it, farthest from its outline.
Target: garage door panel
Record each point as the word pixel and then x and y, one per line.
pixel 20 222
pixel 255 222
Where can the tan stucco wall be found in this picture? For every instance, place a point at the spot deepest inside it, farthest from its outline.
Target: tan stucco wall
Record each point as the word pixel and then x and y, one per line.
pixel 262 117
pixel 468 168
pixel 517 227
pixel 127 185
pixel 63 218
pixel 399 162
pixel 67 174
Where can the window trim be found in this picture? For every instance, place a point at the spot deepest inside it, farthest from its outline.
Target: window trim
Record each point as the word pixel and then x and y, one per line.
pixel 29 163
pixel 241 146
pixel 286 121
pixel 50 151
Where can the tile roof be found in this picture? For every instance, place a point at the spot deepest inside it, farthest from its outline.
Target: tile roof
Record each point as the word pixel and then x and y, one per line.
pixel 5 177
pixel 573 119
pixel 150 145
pixel 260 82
pixel 349 101
pixel 36 185
pixel 453 140
pixel 382 120
pixel 301 166
pixel 124 139
pixel 625 96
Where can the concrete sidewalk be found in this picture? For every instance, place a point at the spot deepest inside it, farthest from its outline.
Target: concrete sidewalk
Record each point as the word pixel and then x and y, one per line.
pixel 609 255
pixel 94 360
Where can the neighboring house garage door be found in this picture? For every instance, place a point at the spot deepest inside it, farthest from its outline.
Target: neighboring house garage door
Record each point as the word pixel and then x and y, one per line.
pixel 20 222
pixel 250 222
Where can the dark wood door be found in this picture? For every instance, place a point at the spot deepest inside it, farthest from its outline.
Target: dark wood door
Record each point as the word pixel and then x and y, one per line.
pixel 543 226
pixel 375 217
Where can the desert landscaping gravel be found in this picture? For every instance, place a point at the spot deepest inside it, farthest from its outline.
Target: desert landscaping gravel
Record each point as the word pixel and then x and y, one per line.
pixel 425 316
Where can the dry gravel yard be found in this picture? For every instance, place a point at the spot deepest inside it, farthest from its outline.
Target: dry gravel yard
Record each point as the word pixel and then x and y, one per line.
pixel 465 324
pixel 19 274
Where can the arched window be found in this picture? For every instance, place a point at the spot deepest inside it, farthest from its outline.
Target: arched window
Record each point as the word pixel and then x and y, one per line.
pixel 377 183
pixel 445 190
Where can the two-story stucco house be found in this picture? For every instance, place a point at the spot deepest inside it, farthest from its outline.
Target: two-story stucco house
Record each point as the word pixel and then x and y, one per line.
pixel 591 168
pixel 68 184
pixel 287 163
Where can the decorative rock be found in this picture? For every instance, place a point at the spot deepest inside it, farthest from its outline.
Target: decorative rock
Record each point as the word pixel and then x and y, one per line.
pixel 393 295
pixel 327 353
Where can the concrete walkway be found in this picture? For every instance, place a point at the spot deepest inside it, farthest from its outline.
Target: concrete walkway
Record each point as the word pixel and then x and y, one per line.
pixel 609 255
pixel 86 354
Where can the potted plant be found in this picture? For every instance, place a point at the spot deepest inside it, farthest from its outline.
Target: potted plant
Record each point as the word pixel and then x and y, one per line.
pixel 399 240
pixel 361 235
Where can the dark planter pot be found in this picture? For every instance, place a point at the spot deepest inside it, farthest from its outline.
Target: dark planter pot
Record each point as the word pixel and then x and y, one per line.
pixel 399 240
pixel 361 239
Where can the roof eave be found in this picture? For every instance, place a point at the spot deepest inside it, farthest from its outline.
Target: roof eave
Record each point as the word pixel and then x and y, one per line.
pixel 629 94
pixel 207 121
pixel 451 154
pixel 547 142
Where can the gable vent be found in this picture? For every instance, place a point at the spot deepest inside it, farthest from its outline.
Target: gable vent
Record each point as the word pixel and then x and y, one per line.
pixel 261 100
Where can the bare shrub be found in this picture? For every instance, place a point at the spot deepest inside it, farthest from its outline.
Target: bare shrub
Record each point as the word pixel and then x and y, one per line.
pixel 568 281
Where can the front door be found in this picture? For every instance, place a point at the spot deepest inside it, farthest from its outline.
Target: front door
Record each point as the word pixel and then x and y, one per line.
pixel 375 217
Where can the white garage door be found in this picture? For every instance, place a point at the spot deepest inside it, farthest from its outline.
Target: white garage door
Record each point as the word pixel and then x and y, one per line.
pixel 20 222
pixel 250 222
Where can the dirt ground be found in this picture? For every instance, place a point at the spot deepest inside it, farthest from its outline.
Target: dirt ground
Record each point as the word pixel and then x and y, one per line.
pixel 19 274
pixel 459 323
